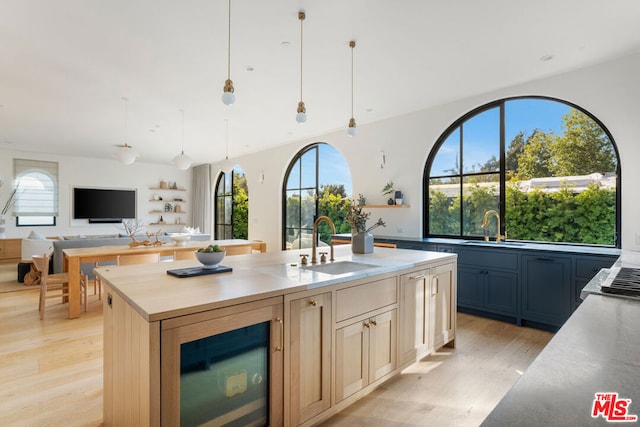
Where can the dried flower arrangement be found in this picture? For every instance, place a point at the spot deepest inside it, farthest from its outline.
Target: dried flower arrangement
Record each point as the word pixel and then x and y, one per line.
pixel 357 218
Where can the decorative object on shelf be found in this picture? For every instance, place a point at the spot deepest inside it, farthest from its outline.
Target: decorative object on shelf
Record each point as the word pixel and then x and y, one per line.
pixel 352 121
pixel 147 242
pixel 301 117
pixel 168 207
pixel 228 97
pixel 174 185
pixel 157 197
pixel 161 221
pixel 398 198
pixel 163 185
pixel 125 153
pixel 182 161
pixel 388 189
pixel 177 209
pixel 361 238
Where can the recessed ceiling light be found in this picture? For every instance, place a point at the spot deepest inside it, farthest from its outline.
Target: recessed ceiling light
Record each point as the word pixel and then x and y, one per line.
pixel 249 68
pixel 368 110
pixel 545 58
pixel 285 44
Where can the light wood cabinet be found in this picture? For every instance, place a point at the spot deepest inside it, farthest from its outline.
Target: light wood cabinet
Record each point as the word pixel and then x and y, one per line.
pixel 428 310
pixel 443 305
pixel 10 250
pixel 308 359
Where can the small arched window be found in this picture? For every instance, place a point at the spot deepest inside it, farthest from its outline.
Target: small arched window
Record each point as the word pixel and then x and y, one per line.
pixel 549 170
pixel 37 192
pixel 317 183
pixel 231 205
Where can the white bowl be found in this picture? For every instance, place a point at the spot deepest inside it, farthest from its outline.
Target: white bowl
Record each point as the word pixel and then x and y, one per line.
pixel 180 239
pixel 210 259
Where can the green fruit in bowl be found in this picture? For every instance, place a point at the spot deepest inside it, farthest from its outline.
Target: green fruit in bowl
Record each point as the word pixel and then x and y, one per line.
pixel 210 249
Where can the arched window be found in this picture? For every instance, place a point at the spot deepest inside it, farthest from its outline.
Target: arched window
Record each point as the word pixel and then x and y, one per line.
pixel 37 192
pixel 317 183
pixel 231 205
pixel 549 169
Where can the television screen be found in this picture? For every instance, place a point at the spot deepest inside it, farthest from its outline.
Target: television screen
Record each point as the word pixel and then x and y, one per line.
pixel 103 205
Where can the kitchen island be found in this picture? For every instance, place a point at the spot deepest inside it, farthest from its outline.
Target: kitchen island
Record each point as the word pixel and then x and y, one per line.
pixel 290 344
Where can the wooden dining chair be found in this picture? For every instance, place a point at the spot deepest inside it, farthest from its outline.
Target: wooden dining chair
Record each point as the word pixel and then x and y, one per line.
pixel 182 255
pixel 150 258
pixel 55 285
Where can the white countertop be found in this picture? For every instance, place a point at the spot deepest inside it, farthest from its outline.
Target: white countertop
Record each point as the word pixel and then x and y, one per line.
pixel 156 295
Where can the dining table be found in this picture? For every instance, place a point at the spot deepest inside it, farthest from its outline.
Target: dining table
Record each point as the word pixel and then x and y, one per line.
pixel 73 258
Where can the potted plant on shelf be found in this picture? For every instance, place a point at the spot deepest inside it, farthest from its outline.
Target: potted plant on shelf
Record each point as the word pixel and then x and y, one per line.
pixel 388 189
pixel 361 238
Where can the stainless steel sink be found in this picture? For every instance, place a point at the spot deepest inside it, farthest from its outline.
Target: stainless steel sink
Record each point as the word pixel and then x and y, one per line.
pixel 339 267
pixel 492 243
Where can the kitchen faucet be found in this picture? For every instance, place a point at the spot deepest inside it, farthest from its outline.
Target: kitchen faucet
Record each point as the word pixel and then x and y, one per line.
pixel 315 237
pixel 485 224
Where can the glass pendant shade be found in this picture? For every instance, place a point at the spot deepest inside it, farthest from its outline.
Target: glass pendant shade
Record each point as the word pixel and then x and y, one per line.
pixel 126 154
pixel 352 130
pixel 228 97
pixel 182 161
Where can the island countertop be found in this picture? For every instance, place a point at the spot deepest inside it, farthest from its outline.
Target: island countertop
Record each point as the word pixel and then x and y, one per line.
pixel 157 296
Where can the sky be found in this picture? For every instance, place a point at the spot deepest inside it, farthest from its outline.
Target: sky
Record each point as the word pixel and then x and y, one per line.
pixel 482 132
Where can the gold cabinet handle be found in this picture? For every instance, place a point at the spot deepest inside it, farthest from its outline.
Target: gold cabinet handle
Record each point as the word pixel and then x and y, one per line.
pixel 437 287
pixel 313 302
pixel 366 325
pixel 418 277
pixel 374 323
pixel 279 320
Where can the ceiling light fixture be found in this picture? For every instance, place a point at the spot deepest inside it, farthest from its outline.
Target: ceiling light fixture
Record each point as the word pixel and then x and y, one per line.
pixel 227 165
pixel 182 161
pixel 352 122
pixel 228 98
pixel 125 153
pixel 301 117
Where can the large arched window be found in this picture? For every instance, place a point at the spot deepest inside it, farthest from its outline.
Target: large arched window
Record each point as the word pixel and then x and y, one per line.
pixel 317 183
pixel 231 205
pixel 36 192
pixel 549 169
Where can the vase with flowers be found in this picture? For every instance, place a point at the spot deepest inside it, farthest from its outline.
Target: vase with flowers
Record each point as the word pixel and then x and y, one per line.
pixel 361 238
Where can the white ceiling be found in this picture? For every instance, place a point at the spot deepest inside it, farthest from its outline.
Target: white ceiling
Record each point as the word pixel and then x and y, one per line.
pixel 66 64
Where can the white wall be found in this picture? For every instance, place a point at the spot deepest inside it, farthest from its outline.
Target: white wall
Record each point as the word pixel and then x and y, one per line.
pixel 89 172
pixel 609 91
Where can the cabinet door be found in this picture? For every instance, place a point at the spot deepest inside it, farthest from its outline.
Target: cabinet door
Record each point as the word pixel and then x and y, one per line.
pixel 382 344
pixel 415 312
pixel 546 289
pixel 501 292
pixel 470 287
pixel 352 359
pixel 310 356
pixel 443 303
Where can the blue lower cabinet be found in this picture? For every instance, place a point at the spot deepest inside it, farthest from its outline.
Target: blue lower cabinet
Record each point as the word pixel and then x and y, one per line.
pixel 546 289
pixel 488 290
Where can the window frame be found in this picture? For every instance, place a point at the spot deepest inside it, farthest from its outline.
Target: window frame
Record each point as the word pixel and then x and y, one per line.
pixel 27 168
pixel 500 103
pixel 222 180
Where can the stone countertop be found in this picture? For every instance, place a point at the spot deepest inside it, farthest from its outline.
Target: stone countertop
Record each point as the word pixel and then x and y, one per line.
pixel 596 351
pixel 156 295
pixel 509 245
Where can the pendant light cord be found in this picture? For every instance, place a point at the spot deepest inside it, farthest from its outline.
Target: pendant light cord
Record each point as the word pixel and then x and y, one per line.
pixel 352 44
pixel 126 100
pixel 229 45
pixel 182 132
pixel 227 156
pixel 301 17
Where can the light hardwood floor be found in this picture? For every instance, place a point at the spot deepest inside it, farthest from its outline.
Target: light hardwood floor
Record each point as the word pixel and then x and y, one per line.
pixel 51 371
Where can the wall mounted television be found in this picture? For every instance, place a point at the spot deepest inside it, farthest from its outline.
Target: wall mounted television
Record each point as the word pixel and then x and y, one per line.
pixel 102 205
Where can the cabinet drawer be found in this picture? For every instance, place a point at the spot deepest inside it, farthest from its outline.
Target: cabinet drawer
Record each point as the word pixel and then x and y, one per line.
pixel 588 267
pixel 487 258
pixel 351 302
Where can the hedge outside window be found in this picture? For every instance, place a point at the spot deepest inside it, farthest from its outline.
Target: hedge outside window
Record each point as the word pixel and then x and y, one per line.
pixel 549 168
pixel 37 194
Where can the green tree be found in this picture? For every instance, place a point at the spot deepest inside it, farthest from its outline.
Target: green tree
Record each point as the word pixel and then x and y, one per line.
pixel 515 149
pixel 240 206
pixel 536 158
pixel 583 148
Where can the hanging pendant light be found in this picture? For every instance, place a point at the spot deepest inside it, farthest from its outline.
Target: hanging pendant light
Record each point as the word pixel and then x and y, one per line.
pixel 228 98
pixel 125 153
pixel 182 161
pixel 352 121
pixel 227 165
pixel 301 117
